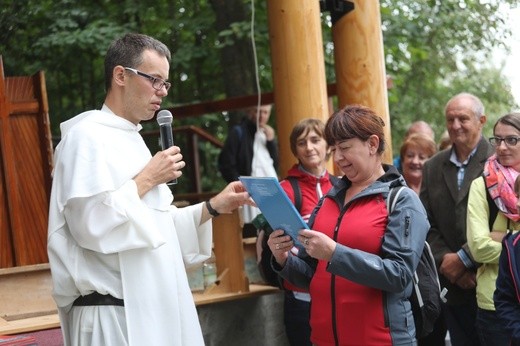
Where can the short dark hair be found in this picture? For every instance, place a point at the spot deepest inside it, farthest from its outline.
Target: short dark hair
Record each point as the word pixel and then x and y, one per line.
pixel 303 127
pixel 355 121
pixel 511 119
pixel 128 51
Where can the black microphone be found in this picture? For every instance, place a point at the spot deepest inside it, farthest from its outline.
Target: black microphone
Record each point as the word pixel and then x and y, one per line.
pixel 164 119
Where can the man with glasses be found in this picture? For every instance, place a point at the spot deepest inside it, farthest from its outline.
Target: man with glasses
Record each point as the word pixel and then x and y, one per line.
pixel 117 247
pixel 447 177
pixel 157 83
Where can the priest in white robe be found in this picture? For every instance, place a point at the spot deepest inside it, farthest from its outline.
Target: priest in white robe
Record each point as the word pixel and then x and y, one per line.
pixel 117 247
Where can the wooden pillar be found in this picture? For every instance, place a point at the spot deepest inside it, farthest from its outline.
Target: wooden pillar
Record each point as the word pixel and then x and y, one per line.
pixel 298 68
pixel 360 62
pixel 229 253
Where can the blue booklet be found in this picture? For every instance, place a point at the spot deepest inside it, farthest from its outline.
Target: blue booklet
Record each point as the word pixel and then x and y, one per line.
pixel 275 205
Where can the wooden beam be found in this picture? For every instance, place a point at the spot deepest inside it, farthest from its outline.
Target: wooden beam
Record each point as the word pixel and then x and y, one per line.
pixel 25 107
pixel 230 104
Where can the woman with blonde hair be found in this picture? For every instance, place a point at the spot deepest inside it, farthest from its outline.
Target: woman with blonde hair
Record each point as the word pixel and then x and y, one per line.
pixel 415 150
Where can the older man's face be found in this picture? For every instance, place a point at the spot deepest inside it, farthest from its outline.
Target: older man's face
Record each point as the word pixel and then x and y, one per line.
pixel 463 126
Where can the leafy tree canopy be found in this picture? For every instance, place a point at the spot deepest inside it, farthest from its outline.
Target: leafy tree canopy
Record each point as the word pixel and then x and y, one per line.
pixel 433 50
pixel 436 49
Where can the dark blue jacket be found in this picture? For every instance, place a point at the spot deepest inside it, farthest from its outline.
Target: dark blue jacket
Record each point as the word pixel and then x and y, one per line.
pixel 507 293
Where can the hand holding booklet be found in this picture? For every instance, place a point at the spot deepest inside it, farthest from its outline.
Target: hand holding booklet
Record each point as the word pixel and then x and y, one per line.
pixel 274 204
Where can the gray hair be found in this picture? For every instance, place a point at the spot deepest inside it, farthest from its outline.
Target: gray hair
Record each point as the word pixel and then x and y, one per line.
pixel 477 105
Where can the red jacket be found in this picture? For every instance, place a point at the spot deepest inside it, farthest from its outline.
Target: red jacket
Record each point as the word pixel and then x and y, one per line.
pixel 309 187
pixel 360 296
pixel 342 299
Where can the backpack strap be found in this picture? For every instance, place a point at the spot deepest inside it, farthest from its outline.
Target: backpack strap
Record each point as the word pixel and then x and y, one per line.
pixel 493 209
pixel 297 192
pixel 391 200
pixel 392 197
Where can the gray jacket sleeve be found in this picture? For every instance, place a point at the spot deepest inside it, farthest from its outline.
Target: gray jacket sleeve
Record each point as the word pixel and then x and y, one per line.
pixel 402 247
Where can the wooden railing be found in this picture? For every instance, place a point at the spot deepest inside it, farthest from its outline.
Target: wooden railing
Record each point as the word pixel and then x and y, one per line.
pixel 192 157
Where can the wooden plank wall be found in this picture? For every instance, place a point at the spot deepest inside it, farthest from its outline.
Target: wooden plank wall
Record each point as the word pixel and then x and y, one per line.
pixel 25 169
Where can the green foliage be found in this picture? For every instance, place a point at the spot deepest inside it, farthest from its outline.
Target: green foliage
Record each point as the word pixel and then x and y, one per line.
pixel 433 50
pixel 436 49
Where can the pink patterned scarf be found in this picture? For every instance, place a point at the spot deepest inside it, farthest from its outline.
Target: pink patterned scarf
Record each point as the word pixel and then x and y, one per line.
pixel 500 182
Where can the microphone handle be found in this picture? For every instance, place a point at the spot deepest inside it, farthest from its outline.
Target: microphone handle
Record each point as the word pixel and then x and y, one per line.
pixel 166 137
pixel 167 142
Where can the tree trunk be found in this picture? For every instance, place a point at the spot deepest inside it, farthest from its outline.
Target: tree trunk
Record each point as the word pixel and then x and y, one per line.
pixel 237 59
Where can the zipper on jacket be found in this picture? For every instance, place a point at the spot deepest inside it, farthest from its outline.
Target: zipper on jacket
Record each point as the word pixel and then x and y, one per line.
pixel 333 277
pixel 333 280
pixel 333 306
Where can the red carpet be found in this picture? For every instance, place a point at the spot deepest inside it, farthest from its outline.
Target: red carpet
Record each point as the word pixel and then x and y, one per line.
pixel 50 337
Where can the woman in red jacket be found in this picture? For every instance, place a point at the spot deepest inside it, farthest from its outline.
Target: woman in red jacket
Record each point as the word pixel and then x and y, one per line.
pixel 305 184
pixel 310 173
pixel 358 258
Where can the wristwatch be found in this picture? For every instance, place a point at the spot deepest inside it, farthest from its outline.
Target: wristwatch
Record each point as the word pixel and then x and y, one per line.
pixel 211 211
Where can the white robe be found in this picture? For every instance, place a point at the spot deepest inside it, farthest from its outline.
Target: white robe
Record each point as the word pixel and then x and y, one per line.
pixel 102 237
